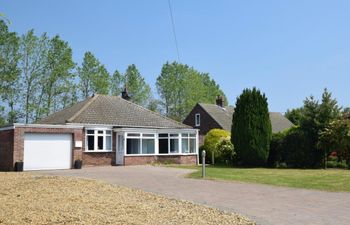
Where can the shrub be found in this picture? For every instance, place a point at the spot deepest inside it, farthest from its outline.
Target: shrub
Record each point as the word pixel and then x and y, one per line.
pixel 276 149
pixel 296 149
pixel 211 142
pixel 227 153
pixel 251 128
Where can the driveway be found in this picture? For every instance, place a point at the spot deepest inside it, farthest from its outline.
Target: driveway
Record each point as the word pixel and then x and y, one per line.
pixel 262 203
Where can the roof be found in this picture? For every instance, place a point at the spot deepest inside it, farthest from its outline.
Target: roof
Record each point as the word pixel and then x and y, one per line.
pixel 112 111
pixel 223 116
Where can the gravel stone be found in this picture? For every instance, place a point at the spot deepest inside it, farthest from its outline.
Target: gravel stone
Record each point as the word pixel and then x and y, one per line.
pixel 27 198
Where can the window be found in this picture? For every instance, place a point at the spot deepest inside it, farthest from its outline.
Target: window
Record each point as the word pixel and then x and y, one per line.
pixel 169 143
pixel 137 143
pixel 99 140
pixel 197 119
pixel 188 143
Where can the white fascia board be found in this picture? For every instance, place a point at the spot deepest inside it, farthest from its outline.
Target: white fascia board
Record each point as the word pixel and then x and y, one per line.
pixel 10 127
pixel 48 126
pixel 159 130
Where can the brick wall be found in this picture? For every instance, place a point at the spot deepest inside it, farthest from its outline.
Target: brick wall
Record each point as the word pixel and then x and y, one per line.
pixel 176 159
pixel 206 122
pixel 19 133
pixel 6 150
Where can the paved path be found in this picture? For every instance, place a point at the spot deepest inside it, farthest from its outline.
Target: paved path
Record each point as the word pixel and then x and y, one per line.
pixel 262 203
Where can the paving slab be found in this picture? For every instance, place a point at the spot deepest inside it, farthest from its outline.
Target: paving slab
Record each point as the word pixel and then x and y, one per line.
pixel 267 205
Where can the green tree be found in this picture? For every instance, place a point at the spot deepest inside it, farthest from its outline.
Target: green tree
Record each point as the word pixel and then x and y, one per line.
pixel 137 86
pixel 32 64
pixel 294 115
pixel 94 78
pixel 58 77
pixel 251 128
pixel 181 87
pixel 9 71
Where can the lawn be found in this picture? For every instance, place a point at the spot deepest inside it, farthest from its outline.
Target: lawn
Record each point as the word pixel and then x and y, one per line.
pixel 326 180
pixel 27 198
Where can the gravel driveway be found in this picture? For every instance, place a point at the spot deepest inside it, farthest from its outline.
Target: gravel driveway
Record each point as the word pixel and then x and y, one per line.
pixel 262 203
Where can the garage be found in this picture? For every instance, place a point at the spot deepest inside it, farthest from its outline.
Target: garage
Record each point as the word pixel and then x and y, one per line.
pixel 47 151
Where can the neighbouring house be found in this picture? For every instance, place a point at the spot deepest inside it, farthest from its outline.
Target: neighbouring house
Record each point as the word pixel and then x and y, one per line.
pixel 101 130
pixel 209 116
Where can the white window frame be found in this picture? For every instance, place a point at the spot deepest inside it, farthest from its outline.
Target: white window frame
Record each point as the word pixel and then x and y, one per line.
pixel 156 133
pixel 141 137
pixel 188 137
pixel 96 135
pixel 197 119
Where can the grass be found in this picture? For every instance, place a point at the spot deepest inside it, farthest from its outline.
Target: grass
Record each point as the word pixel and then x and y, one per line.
pixel 334 180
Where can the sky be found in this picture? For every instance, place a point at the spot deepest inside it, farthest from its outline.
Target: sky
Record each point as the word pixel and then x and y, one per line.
pixel 288 49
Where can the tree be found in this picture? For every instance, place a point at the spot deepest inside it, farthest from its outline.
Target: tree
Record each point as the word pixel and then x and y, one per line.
pixel 94 78
pixel 294 115
pixel 117 83
pixel 181 87
pixel 251 128
pixel 137 86
pixel 58 78
pixel 9 71
pixel 32 64
pixel 336 137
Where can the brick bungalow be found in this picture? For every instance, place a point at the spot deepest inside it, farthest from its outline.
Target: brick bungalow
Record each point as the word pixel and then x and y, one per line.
pixel 101 130
pixel 209 116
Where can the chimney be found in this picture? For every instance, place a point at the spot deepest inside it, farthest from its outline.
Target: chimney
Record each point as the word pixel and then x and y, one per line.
pixel 220 101
pixel 125 94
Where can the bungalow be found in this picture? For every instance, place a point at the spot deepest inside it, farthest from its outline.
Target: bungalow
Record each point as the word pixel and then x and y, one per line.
pixel 101 130
pixel 209 116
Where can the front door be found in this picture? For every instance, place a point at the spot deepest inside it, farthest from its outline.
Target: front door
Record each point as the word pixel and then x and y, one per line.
pixel 120 149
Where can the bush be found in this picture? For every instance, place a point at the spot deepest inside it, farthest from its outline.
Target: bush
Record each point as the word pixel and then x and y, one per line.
pixel 276 149
pixel 227 153
pixel 212 141
pixel 296 149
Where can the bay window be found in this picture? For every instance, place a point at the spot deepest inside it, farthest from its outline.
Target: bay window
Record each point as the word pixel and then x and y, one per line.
pixel 188 143
pixel 98 140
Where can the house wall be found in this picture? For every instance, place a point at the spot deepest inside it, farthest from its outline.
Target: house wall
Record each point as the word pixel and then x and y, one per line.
pixel 6 150
pixel 175 159
pixel 206 122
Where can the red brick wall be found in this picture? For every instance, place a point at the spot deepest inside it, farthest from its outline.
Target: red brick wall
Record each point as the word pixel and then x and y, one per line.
pixel 6 150
pixel 206 122
pixel 98 158
pixel 176 159
pixel 19 132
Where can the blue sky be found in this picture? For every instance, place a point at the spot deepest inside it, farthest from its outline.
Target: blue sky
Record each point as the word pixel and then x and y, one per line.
pixel 288 49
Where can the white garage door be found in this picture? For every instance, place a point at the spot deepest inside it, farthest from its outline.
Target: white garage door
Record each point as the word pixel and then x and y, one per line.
pixel 47 151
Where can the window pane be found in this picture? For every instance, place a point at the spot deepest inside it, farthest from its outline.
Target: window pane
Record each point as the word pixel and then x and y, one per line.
pixel 100 132
pixel 174 135
pixel 90 132
pixel 192 145
pixel 174 145
pixel 163 146
pixel 163 135
pixel 133 146
pixel 133 135
pixel 185 148
pixel 148 135
pixel 184 135
pixel 192 135
pixel 100 142
pixel 147 146
pixel 108 132
pixel 91 142
pixel 108 142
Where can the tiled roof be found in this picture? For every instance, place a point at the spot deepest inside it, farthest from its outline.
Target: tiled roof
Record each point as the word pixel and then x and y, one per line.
pixel 111 110
pixel 223 116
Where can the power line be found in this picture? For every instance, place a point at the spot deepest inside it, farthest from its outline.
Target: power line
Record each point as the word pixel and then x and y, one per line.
pixel 174 32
